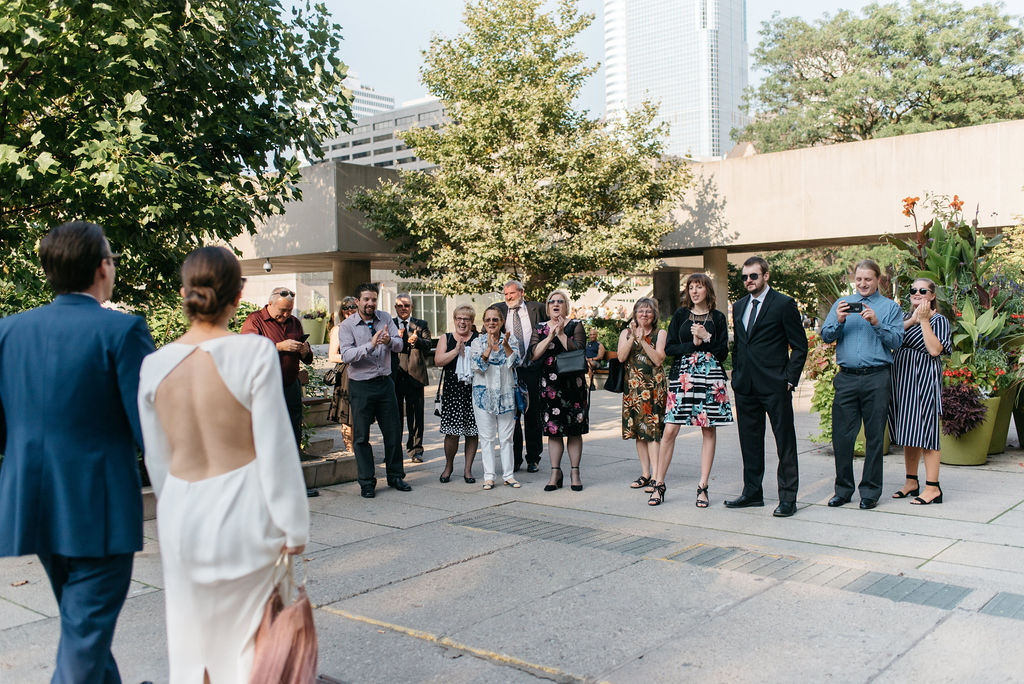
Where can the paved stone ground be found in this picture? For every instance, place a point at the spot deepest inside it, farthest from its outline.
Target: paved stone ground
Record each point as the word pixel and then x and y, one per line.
pixel 449 583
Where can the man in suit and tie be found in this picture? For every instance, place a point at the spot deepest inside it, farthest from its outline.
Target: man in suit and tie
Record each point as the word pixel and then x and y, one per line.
pixel 409 371
pixel 768 356
pixel 521 319
pixel 69 426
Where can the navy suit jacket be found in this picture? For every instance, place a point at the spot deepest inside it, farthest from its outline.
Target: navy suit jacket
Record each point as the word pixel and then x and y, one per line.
pixel 69 426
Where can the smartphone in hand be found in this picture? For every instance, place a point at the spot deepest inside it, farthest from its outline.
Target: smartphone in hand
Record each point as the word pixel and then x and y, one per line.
pixel 855 307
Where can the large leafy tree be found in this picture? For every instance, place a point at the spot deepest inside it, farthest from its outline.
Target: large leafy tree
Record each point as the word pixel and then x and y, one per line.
pixel 526 185
pixel 169 122
pixel 893 70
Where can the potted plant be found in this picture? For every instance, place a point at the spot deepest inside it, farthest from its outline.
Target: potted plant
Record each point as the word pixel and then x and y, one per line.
pixel 967 419
pixel 314 323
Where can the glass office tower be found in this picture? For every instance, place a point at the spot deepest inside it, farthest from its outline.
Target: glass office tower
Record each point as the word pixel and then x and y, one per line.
pixel 688 55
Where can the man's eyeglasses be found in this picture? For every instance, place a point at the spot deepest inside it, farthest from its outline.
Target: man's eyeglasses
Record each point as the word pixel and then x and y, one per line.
pixel 114 259
pixel 921 291
pixel 750 276
pixel 287 294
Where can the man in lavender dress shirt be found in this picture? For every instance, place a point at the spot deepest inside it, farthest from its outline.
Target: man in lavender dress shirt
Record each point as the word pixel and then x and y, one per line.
pixel 366 342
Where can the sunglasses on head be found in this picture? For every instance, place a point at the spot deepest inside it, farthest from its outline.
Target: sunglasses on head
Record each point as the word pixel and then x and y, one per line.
pixel 287 294
pixel 920 291
pixel 750 276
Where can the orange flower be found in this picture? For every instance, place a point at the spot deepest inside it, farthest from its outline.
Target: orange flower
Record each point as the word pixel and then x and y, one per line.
pixel 908 205
pixel 956 204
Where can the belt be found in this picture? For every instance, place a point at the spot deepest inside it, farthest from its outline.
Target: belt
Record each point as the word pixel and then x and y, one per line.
pixel 863 371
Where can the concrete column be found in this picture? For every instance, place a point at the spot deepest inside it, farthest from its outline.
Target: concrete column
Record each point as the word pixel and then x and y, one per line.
pixel 716 265
pixel 666 290
pixel 347 276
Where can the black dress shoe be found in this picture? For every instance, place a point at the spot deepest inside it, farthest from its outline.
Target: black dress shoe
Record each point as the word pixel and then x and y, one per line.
pixel 866 504
pixel 532 468
pixel 744 501
pixel 837 501
pixel 399 484
pixel 311 492
pixel 785 509
pixel 368 492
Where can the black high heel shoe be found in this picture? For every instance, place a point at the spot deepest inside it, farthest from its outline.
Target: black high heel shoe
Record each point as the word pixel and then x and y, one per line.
pixel 469 480
pixel 702 503
pixel 445 478
pixel 918 501
pixel 658 497
pixel 913 492
pixel 579 487
pixel 558 482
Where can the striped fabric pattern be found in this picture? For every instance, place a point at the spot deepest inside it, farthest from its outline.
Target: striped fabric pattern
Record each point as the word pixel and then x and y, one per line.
pixel 917 387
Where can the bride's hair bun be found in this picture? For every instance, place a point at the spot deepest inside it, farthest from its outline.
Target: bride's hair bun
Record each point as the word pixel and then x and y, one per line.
pixel 212 278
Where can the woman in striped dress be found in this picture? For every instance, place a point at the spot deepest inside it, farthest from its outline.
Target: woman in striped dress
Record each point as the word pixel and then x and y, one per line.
pixel 917 392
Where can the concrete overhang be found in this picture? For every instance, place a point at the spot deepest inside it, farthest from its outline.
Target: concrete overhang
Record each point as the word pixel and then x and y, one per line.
pixel 319 229
pixel 849 193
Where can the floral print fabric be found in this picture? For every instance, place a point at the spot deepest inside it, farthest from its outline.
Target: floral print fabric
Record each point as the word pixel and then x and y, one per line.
pixel 643 402
pixel 564 398
pixel 697 393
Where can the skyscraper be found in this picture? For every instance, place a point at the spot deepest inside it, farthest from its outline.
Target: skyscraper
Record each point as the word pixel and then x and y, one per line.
pixel 688 55
pixel 365 100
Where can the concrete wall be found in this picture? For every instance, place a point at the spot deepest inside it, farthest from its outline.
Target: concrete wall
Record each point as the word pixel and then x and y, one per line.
pixel 850 193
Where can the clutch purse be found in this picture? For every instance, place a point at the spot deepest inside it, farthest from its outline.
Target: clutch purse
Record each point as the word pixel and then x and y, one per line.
pixel 571 361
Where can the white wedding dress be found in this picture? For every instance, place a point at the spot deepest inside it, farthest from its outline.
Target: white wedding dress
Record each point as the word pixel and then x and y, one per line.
pixel 220 535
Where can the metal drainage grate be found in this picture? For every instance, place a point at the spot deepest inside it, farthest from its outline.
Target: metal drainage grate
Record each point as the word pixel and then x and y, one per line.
pixel 575 535
pixel 1005 604
pixel 893 587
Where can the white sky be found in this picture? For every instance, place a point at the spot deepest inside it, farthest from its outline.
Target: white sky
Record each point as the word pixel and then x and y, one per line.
pixel 384 40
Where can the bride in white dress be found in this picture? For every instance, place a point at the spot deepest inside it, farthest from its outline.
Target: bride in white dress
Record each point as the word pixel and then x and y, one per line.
pixel 222 458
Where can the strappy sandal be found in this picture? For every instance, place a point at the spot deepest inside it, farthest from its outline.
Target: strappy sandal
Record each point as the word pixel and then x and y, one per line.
pixel 488 485
pixel 512 483
pixel 937 500
pixel 703 503
pixel 913 492
pixel 658 496
pixel 639 482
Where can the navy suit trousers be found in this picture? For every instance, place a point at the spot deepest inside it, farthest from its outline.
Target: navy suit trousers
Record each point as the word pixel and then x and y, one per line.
pixel 90 593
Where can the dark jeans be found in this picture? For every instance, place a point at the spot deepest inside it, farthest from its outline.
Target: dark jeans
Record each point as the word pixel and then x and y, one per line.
pixel 293 400
pixel 860 398
pixel 532 422
pixel 369 400
pixel 409 394
pixel 90 593
pixel 750 413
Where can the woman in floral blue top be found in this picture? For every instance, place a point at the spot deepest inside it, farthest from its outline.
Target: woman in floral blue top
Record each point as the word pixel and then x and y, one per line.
pixel 563 396
pixel 494 400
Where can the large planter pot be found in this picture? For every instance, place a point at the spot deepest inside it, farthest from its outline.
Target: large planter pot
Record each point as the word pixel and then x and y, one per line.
pixel 972 448
pixel 1001 427
pixel 316 328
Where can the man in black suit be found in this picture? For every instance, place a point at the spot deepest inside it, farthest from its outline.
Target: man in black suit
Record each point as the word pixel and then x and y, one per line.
pixel 768 355
pixel 409 371
pixel 521 319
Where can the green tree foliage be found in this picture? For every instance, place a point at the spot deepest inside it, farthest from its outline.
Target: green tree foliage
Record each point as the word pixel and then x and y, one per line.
pixel 893 70
pixel 171 123
pixel 527 186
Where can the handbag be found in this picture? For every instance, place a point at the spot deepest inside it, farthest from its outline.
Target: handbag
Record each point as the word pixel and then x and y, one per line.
pixel 286 646
pixel 332 376
pixel 522 395
pixel 616 376
pixel 437 397
pixel 571 361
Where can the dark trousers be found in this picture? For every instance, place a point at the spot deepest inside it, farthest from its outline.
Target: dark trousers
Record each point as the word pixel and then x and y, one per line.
pixel 530 423
pixel 750 414
pixel 293 400
pixel 409 394
pixel 860 398
pixel 369 400
pixel 90 593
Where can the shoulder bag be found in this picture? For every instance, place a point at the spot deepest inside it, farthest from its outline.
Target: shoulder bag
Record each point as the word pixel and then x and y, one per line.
pixel 286 643
pixel 616 376
pixel 574 361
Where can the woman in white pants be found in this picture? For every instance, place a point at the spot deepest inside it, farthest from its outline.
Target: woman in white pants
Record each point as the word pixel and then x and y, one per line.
pixel 494 399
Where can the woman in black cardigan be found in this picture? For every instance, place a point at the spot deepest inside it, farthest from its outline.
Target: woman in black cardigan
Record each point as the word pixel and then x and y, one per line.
pixel 698 338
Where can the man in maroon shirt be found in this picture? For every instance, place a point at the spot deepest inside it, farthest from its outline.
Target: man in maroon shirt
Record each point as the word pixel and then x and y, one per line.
pixel 275 321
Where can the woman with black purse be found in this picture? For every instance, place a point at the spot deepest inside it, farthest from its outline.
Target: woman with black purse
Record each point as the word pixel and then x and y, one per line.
pixel 558 348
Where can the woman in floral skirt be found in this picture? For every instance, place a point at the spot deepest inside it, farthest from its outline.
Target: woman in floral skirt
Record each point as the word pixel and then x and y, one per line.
pixel 642 352
pixel 698 338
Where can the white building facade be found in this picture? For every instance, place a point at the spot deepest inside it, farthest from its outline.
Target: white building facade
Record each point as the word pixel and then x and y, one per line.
pixel 690 56
pixel 365 100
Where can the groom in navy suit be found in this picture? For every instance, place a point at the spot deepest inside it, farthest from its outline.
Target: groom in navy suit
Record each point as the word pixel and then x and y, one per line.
pixel 69 426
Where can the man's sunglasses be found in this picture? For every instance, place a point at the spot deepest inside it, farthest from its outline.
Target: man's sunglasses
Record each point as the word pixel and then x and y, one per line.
pixel 750 276
pixel 921 291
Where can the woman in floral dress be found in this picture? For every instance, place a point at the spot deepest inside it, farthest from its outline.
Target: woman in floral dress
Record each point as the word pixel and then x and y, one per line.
pixel 642 352
pixel 564 396
pixel 698 338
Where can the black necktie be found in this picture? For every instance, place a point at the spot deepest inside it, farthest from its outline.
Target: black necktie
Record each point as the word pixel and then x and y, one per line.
pixel 753 315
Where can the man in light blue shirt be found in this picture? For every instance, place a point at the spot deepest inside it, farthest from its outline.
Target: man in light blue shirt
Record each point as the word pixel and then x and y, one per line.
pixel 867 328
